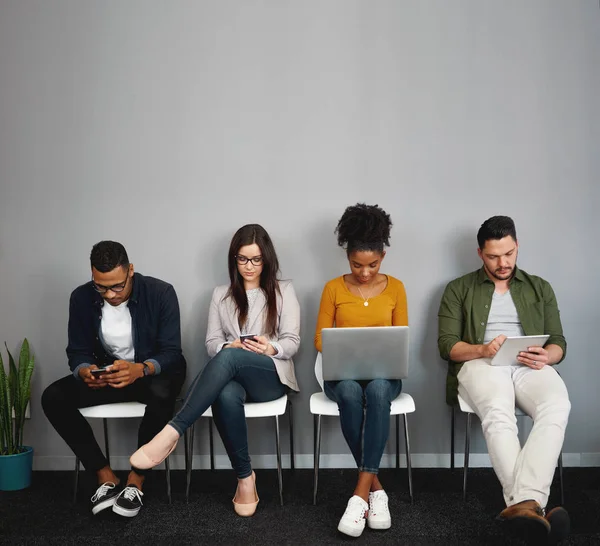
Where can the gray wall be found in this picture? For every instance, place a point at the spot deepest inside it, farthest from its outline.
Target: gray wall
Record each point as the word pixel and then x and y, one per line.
pixel 167 125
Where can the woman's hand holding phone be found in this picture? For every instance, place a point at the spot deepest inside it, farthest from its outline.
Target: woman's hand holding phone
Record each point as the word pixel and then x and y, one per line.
pixel 259 345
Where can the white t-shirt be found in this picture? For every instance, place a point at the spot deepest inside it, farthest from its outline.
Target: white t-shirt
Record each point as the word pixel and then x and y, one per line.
pixel 116 331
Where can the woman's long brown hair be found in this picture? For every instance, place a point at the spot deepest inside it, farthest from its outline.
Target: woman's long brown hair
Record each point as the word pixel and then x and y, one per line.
pixel 248 235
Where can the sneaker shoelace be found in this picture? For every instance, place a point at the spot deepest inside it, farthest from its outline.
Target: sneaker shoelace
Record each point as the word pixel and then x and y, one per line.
pixel 380 501
pixel 130 493
pixel 355 510
pixel 102 490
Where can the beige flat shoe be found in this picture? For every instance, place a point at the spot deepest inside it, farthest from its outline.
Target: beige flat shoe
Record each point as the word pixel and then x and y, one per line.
pixel 246 509
pixel 140 459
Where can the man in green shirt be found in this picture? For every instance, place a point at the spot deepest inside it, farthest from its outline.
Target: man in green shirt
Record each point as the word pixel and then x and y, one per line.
pixel 477 313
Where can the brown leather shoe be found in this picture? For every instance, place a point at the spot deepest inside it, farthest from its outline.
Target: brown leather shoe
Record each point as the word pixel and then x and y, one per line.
pixel 526 520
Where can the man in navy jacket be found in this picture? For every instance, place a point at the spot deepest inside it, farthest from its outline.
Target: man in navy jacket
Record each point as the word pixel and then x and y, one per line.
pixel 124 345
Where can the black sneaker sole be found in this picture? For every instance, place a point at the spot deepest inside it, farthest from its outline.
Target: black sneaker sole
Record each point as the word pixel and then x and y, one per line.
pixel 103 505
pixel 125 512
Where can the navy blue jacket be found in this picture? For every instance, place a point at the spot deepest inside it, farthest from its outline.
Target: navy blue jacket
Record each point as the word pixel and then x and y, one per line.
pixel 155 321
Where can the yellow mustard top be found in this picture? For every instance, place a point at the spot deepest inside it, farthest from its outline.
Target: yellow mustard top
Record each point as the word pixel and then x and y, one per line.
pixel 342 308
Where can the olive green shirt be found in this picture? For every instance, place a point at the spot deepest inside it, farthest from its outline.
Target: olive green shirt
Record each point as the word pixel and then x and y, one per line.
pixel 465 307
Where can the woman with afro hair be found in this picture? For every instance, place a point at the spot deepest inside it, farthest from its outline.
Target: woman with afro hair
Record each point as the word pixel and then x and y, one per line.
pixel 364 297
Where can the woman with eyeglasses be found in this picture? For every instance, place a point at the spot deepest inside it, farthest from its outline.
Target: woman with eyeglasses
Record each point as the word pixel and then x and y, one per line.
pixel 364 297
pixel 253 333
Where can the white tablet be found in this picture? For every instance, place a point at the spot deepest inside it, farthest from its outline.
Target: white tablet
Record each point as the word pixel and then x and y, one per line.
pixel 512 346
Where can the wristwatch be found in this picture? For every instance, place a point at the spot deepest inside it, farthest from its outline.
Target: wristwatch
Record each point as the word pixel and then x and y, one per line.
pixel 146 368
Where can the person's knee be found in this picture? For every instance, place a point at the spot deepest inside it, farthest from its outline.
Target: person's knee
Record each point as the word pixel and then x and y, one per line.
pixel 349 391
pixel 497 416
pixel 556 410
pixel 378 392
pixel 53 397
pixel 232 394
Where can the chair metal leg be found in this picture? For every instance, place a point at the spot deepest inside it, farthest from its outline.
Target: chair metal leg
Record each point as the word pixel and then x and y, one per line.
pixel 76 484
pixel 408 461
pixel 279 477
pixel 452 437
pixel 398 441
pixel 211 444
pixel 291 420
pixel 168 474
pixel 466 462
pixel 189 452
pixel 560 477
pixel 317 454
pixel 107 453
pixel 186 451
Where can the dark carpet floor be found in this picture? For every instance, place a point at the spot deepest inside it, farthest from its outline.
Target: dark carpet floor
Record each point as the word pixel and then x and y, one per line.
pixel 44 513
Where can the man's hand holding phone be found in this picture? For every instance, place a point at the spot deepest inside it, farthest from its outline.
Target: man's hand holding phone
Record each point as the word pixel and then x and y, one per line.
pixel 95 377
pixel 123 373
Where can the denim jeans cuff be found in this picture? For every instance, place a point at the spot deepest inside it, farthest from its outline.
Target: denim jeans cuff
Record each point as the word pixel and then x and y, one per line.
pixel 176 427
pixel 369 470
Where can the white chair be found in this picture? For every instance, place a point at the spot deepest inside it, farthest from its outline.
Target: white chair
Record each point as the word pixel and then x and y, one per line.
pixel 252 410
pixel 321 405
pixel 466 408
pixel 121 410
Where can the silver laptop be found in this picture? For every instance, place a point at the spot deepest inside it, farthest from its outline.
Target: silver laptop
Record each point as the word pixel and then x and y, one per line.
pixel 376 352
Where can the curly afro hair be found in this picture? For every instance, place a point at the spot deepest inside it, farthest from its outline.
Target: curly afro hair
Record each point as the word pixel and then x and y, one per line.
pixel 364 227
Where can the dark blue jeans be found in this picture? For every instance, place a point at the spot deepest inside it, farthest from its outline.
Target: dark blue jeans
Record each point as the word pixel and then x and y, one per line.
pixel 365 417
pixel 232 377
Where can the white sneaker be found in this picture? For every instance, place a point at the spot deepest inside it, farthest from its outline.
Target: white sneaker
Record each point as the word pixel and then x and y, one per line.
pixel 379 514
pixel 353 520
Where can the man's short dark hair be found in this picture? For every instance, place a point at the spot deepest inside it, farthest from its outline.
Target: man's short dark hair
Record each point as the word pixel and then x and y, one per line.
pixel 106 255
pixel 496 227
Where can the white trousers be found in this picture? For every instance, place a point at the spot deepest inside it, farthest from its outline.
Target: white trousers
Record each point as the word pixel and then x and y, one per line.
pixel 493 391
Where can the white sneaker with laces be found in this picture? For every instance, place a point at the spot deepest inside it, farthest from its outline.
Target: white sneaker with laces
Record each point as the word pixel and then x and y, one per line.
pixel 353 520
pixel 379 513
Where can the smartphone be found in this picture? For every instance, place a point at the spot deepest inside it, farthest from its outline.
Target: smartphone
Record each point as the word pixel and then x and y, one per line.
pixel 101 371
pixel 247 336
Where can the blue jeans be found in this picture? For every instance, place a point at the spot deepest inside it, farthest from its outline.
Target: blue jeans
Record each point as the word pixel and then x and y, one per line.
pixel 232 377
pixel 365 417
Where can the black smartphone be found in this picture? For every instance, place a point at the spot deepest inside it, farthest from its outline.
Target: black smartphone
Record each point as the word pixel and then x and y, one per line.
pixel 101 371
pixel 247 336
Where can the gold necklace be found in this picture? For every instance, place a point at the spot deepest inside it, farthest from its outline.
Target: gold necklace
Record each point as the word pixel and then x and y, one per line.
pixel 366 300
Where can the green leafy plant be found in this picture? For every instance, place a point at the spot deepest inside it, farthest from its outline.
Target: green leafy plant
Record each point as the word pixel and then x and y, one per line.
pixel 15 391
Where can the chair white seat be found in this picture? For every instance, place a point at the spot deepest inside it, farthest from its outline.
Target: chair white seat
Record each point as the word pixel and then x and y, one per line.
pixel 320 404
pixel 120 410
pixel 260 409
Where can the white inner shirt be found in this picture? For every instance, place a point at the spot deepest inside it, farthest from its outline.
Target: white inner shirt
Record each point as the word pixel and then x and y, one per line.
pixel 116 331
pixel 503 318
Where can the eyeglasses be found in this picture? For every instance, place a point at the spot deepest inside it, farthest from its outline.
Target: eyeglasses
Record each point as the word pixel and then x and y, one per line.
pixel 116 288
pixel 242 260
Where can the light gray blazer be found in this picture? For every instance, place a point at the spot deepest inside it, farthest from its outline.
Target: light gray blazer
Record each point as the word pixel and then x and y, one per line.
pixel 223 326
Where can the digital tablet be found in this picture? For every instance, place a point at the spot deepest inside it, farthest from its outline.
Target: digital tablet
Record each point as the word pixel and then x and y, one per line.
pixel 512 346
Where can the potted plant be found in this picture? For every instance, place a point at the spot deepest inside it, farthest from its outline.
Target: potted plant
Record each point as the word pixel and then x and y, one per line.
pixel 16 460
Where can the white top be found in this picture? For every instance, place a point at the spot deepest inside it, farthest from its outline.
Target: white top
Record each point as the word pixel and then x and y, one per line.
pixel 116 331
pixel 503 318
